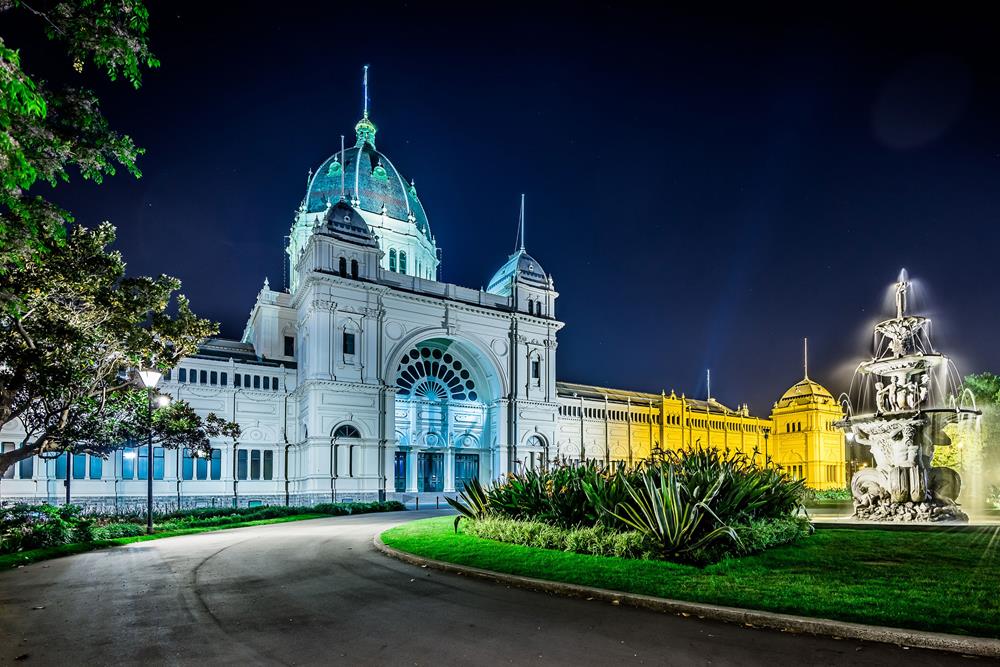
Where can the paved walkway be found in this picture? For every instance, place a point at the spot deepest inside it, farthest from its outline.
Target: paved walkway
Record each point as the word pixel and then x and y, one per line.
pixel 316 592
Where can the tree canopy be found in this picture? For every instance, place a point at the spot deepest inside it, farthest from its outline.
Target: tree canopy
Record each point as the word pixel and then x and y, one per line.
pixel 47 131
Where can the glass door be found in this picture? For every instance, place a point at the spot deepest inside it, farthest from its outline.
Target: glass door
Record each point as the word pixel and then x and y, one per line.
pixel 400 467
pixel 430 472
pixel 466 469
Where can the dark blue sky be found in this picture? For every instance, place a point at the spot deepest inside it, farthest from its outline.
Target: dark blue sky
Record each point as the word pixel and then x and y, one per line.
pixel 706 189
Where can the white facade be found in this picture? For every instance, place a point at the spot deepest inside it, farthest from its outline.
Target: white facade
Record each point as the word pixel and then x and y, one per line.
pixel 366 379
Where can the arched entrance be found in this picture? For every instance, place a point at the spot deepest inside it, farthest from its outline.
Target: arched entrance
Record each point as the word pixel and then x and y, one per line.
pixel 446 415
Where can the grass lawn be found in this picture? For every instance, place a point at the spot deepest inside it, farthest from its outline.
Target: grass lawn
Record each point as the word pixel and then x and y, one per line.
pixel 938 581
pixel 34 555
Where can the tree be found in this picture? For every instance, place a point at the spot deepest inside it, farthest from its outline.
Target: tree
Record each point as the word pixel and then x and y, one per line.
pixel 74 333
pixel 45 131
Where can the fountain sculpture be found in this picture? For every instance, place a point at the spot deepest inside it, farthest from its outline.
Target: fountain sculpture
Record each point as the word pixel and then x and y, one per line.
pixel 905 397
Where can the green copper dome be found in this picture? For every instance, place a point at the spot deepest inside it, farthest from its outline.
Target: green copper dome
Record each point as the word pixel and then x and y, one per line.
pixel 370 182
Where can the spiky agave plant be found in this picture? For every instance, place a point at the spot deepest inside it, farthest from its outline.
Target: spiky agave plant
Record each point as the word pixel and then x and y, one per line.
pixel 676 518
pixel 473 502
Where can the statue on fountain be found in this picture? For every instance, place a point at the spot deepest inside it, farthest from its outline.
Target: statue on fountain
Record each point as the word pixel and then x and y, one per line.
pixel 903 428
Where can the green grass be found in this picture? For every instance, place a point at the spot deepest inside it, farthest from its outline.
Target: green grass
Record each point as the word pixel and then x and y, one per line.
pixel 937 581
pixel 35 555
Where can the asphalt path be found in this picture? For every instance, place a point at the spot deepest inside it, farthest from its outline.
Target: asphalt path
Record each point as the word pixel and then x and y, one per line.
pixel 317 592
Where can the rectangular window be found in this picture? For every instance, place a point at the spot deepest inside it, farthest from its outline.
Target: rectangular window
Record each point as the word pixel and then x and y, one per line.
pixel 61 464
pixel 224 379
pixel 289 346
pixel 158 459
pixel 216 464
pixel 214 378
pixel 536 369
pixel 9 472
pixel 348 343
pixel 256 382
pixel 246 380
pixel 267 382
pixel 27 468
pixel 129 456
pixel 201 468
pixel 268 464
pixel 255 464
pixel 79 466
pixel 182 375
pixel 96 467
pixel 237 380
pixel 142 460
pixel 193 376
pixel 204 377
pixel 187 465
pixel 274 384
pixel 241 464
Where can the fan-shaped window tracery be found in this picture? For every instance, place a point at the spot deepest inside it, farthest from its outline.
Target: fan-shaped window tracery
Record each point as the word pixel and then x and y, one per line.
pixel 430 374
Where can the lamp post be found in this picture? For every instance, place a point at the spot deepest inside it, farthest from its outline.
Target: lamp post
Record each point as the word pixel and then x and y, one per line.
pixel 150 377
pixel 767 432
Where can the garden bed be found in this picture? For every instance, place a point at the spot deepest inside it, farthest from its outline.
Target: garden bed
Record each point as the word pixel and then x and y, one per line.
pixel 935 581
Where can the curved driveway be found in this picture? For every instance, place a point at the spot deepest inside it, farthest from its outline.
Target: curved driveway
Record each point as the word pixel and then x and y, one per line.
pixel 317 592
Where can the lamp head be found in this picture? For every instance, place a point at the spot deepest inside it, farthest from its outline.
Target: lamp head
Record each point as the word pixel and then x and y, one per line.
pixel 150 377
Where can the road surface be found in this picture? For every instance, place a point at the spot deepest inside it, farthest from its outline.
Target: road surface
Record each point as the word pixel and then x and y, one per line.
pixel 317 592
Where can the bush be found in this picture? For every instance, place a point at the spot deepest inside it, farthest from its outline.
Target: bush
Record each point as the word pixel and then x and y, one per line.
pixel 827 495
pixel 596 541
pixel 25 526
pixel 756 536
pixel 115 530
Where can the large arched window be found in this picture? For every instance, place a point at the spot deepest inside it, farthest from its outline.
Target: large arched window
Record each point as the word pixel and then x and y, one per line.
pixel 354 269
pixel 402 261
pixel 392 259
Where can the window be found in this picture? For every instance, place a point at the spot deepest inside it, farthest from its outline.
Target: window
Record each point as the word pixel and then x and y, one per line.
pixel 256 382
pixel 96 467
pixel 246 380
pixel 241 464
pixel 289 346
pixel 224 379
pixel 255 463
pixel 267 382
pixel 348 343
pixel 187 465
pixel 531 307
pixel 9 472
pixel 216 464
pixel 204 377
pixel 182 375
pixel 347 431
pixel 402 261
pixel 26 468
pixel 193 376
pixel 268 464
pixel 536 369
pixel 143 466
pixel 61 464
pixel 343 267
pixel 392 259
pixel 274 383
pixel 237 380
pixel 214 377
pixel 128 462
pixel 354 269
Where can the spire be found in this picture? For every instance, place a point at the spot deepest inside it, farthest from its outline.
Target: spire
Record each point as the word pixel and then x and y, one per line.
pixel 365 129
pixel 708 383
pixel 805 358
pixel 342 169
pixel 520 229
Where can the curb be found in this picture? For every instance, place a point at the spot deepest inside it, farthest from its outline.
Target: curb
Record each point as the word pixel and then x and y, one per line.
pixel 978 646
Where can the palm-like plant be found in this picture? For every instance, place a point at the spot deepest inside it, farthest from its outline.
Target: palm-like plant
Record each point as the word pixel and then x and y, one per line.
pixel 472 503
pixel 676 518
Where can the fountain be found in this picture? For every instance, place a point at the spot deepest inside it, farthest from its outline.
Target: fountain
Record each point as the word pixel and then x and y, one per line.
pixel 903 403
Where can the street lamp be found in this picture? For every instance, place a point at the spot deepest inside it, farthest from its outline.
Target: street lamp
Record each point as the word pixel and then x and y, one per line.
pixel 150 377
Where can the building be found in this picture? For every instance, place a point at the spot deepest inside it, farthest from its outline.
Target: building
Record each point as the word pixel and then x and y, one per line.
pixel 369 378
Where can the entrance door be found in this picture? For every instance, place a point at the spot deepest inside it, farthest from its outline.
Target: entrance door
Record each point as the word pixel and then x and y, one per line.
pixel 400 466
pixel 430 472
pixel 466 469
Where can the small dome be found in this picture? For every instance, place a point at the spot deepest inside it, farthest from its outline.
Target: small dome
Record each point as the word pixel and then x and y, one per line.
pixel 805 391
pixel 369 180
pixel 519 266
pixel 344 222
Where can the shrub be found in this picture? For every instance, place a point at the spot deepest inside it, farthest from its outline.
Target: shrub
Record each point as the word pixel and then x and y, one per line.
pixel 25 526
pixel 756 536
pixel 114 530
pixel 827 495
pixel 597 541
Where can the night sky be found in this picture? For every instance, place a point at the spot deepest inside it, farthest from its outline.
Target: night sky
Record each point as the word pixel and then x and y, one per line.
pixel 706 189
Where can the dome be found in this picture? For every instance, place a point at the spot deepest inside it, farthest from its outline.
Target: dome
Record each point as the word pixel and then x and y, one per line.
pixel 370 182
pixel 519 266
pixel 344 222
pixel 805 391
